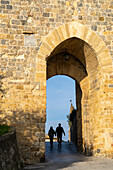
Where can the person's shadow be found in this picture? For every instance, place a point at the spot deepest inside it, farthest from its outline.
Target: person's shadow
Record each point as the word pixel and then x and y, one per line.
pixel 59 148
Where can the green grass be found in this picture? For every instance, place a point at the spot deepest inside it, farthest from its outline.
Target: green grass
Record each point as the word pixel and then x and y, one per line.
pixel 4 129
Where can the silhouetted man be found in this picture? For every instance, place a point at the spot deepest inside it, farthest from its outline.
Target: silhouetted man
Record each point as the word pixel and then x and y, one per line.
pixel 59 131
pixel 51 135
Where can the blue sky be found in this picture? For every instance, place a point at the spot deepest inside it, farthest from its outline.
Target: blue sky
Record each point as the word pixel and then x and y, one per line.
pixel 60 90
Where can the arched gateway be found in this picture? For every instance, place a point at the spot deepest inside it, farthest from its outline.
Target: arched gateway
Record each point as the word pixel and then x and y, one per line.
pixel 73 50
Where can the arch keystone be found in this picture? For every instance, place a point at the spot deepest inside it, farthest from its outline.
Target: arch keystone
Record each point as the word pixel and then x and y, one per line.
pixel 65 31
pixel 75 29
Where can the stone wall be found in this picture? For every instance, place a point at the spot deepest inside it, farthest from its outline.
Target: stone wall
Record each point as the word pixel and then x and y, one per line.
pixel 30 32
pixel 9 154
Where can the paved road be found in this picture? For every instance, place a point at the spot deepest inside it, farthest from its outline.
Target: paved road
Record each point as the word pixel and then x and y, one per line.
pixel 67 158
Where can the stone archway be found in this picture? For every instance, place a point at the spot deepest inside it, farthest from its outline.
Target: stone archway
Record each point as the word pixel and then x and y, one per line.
pixel 80 31
pixel 71 58
pixel 93 72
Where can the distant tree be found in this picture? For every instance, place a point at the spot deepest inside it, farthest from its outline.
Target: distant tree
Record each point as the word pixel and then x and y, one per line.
pixel 70 117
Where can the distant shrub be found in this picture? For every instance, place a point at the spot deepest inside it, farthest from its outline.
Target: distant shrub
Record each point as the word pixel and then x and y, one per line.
pixel 4 129
pixel 70 117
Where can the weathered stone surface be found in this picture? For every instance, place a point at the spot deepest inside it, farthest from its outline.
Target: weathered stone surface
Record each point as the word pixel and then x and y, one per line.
pixel 41 39
pixel 9 154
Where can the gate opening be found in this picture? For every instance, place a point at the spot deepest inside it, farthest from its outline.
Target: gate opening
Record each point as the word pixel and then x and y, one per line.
pixel 76 59
pixel 60 90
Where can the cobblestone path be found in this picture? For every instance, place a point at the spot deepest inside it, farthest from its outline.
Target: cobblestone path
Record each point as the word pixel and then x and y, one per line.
pixel 67 158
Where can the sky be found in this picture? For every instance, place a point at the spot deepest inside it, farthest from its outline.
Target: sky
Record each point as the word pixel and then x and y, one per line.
pixel 60 90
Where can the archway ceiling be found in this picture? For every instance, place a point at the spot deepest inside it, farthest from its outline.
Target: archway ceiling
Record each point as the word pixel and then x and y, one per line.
pixel 73 46
pixel 82 60
pixel 59 64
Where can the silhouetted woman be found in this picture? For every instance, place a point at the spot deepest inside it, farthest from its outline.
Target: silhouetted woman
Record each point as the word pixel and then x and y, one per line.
pixel 51 135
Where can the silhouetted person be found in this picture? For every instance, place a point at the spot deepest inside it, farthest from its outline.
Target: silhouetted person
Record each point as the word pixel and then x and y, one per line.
pixel 51 135
pixel 59 131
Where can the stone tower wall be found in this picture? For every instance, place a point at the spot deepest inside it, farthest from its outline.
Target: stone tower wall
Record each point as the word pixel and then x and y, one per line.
pixel 24 25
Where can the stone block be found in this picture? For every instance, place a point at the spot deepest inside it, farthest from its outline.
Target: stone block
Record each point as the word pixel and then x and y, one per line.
pixel 51 19
pixel 16 22
pixel 94 27
pixel 38 134
pixel 9 6
pixel 4 2
pixel 101 18
pixel 3 16
pixel 111 85
pixel 3 42
pixel 80 17
pixel 79 4
pixel 30 40
pixel 2 7
pixel 46 14
pixel 24 22
pixel 20 87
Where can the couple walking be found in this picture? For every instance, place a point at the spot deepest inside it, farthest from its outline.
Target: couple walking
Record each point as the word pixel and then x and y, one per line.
pixel 59 131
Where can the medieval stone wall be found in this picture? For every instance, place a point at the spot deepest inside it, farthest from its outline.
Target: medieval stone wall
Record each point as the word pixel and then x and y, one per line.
pixel 24 26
